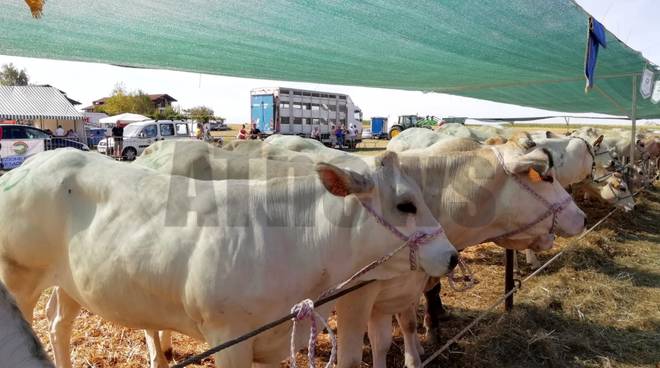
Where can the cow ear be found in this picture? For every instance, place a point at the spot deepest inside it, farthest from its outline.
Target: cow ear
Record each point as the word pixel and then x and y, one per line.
pixel 598 141
pixel 537 160
pixel 549 134
pixel 342 182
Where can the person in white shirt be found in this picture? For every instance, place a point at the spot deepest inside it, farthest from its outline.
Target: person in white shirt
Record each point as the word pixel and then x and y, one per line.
pixel 59 132
pixel 352 134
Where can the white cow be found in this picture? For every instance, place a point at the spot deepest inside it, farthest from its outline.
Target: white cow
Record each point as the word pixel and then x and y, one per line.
pixel 19 347
pixel 377 302
pixel 447 183
pixel 116 239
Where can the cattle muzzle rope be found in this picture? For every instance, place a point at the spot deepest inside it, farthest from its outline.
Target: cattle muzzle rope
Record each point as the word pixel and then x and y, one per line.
pixel 305 309
pixel 554 209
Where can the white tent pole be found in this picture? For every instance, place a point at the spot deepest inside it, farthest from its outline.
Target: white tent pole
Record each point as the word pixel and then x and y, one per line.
pixel 633 117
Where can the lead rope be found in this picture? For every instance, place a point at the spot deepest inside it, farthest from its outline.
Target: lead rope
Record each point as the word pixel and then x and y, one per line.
pixel 305 310
pixel 466 278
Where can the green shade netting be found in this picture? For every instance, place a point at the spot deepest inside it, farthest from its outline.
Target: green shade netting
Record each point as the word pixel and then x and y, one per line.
pixel 524 52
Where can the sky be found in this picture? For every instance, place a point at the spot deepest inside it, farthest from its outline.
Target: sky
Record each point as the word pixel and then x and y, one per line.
pixel 632 21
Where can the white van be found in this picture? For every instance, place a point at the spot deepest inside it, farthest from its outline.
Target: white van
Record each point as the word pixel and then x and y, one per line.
pixel 140 135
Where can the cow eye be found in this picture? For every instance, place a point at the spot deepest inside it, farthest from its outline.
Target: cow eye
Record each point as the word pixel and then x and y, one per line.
pixel 406 207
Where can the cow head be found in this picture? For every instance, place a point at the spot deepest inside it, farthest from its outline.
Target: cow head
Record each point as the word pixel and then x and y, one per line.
pixel 572 158
pixel 398 201
pixel 525 200
pixel 615 191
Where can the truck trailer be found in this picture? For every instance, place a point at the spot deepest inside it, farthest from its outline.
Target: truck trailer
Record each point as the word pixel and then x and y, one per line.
pixel 293 111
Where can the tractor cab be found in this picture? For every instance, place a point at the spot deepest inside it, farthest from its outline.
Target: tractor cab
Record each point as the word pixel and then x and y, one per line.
pixel 412 121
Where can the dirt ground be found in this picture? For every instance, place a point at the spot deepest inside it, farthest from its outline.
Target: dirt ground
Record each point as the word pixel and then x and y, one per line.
pixel 597 306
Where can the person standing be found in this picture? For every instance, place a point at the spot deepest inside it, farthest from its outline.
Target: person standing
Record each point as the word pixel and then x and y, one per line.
pixel 199 131
pixel 59 132
pixel 118 136
pixel 333 136
pixel 316 134
pixel 352 135
pixel 340 136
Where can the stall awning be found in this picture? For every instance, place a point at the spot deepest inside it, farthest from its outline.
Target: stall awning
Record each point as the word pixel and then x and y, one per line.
pixel 34 102
pixel 524 52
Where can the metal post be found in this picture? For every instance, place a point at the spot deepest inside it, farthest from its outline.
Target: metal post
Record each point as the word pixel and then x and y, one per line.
pixel 508 278
pixel 633 117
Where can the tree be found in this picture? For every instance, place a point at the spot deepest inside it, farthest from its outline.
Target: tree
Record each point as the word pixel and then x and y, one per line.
pixel 121 101
pixel 11 76
pixel 168 113
pixel 200 114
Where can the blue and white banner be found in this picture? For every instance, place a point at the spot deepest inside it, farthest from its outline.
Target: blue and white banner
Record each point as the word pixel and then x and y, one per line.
pixel 14 151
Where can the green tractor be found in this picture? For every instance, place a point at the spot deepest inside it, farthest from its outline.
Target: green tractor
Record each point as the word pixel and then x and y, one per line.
pixel 412 121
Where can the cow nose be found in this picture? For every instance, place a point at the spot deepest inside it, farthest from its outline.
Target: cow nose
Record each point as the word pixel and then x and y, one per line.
pixel 453 261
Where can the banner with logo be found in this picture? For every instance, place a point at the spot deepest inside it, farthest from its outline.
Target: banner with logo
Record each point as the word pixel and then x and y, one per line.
pixel 14 151
pixel 646 85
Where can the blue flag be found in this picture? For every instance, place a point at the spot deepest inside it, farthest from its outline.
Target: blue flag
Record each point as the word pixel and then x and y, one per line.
pixel 596 39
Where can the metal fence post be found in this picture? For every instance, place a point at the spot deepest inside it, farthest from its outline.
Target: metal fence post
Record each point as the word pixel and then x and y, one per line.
pixel 508 278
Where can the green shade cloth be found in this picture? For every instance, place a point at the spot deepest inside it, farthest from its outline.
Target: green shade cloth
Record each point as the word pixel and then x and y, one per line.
pixel 523 52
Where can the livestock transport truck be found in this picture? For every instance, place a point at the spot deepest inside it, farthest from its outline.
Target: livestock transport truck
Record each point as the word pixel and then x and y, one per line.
pixel 293 111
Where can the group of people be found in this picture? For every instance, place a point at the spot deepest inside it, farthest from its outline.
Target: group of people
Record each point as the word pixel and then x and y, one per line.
pixel 254 133
pixel 203 132
pixel 340 136
pixel 59 132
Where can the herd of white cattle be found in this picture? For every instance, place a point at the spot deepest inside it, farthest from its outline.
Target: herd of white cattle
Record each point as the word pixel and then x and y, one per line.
pixel 214 243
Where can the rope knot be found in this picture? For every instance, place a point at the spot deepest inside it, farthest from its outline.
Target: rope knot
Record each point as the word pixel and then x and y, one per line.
pixel 302 310
pixel 414 241
pixel 305 310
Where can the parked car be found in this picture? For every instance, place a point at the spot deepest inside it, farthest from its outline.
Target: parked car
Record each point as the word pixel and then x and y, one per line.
pixel 18 142
pixel 140 135
pixel 366 133
pixel 217 125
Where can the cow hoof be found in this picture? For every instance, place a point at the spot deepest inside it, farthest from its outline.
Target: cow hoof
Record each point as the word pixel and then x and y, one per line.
pixel 412 362
pixel 432 336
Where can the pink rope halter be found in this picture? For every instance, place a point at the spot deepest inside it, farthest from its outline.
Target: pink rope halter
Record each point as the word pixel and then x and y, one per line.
pixel 553 208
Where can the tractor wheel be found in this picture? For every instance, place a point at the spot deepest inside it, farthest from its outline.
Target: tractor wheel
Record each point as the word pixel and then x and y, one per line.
pixel 394 132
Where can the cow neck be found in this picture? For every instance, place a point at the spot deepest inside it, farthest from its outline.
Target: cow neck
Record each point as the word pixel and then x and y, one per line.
pixel 340 248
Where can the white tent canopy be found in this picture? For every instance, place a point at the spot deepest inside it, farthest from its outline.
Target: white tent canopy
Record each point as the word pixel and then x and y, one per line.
pixel 125 118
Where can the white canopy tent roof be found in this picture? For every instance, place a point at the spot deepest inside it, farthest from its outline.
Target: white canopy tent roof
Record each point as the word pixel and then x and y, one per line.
pixel 125 118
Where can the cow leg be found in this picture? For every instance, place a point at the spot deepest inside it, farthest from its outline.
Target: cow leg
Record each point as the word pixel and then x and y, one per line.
pixel 166 344
pixel 412 347
pixel 61 311
pixel 380 336
pixel 434 311
pixel 156 356
pixel 23 284
pixel 237 356
pixel 353 312
pixel 531 258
